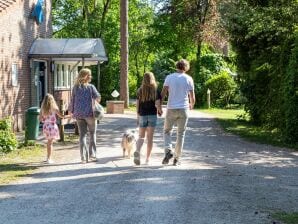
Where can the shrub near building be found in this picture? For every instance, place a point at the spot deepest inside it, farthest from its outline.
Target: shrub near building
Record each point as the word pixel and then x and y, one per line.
pixel 8 141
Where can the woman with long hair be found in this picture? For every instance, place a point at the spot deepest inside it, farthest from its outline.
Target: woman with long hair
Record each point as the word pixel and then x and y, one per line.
pixel 148 106
pixel 81 107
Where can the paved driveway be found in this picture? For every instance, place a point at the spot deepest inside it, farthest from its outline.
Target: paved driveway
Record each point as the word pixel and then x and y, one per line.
pixel 222 179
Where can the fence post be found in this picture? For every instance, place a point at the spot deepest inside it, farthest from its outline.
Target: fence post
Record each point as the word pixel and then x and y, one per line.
pixel 61 126
pixel 208 98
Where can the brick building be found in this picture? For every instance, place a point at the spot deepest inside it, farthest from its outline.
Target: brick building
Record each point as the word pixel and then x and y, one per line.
pixel 18 31
pixel 33 64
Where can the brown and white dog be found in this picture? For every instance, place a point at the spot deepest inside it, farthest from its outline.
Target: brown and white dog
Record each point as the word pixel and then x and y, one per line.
pixel 128 142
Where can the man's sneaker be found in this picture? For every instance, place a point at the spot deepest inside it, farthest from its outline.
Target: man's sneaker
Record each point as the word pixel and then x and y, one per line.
pixel 136 158
pixel 176 162
pixel 168 156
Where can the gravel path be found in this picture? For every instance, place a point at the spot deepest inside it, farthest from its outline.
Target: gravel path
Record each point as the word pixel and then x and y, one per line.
pixel 223 179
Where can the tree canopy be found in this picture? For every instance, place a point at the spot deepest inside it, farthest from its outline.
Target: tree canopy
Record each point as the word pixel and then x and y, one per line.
pixel 261 65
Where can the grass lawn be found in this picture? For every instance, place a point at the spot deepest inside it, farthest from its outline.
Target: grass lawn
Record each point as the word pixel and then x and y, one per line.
pixel 17 163
pixel 230 122
pixel 286 218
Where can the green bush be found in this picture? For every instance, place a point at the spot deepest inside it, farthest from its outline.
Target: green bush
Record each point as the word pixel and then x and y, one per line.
pixel 290 93
pixel 222 88
pixel 8 141
pixel 6 124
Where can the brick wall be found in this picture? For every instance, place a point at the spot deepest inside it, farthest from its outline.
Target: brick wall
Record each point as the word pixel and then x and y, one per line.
pixel 17 33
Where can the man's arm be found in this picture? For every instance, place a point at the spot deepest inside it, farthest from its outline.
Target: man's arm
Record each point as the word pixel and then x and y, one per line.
pixel 192 99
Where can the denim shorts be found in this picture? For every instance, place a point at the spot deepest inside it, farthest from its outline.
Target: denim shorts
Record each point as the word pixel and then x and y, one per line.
pixel 147 121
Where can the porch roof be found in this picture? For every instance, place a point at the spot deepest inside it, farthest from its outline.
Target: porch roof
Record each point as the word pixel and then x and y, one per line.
pixel 69 49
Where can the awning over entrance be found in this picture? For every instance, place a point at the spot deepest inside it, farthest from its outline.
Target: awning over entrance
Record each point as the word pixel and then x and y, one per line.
pixel 89 50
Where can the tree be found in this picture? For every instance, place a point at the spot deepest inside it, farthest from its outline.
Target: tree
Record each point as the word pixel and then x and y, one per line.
pixel 124 94
pixel 290 96
pixel 191 21
pixel 261 33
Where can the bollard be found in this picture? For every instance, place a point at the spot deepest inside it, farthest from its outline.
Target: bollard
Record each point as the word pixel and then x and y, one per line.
pixel 208 98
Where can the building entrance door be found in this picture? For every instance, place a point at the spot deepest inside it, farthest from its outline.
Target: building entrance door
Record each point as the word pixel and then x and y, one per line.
pixel 40 79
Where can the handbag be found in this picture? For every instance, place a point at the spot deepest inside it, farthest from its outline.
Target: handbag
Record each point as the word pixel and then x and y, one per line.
pixel 98 111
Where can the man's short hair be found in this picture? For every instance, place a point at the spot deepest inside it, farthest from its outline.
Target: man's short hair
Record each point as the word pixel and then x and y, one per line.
pixel 182 65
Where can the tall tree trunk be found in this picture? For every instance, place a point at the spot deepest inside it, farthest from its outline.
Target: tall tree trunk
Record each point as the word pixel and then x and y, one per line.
pixel 124 95
pixel 198 61
pixel 139 80
pixel 106 6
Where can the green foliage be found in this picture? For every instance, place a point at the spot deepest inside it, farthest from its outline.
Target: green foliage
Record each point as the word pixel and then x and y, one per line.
pixel 100 19
pixel 8 141
pixel 290 92
pixel 222 88
pixel 6 124
pixel 161 68
pixel 261 33
pixel 211 64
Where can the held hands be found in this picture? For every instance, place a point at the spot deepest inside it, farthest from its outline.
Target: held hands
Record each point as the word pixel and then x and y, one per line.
pixel 67 116
pixel 159 112
pixel 41 118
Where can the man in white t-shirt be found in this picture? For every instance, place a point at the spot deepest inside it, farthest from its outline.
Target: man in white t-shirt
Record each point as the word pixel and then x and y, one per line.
pixel 181 98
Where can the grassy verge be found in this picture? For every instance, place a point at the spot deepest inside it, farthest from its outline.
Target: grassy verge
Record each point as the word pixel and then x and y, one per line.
pixel 70 139
pixel 19 163
pixel 229 120
pixel 286 218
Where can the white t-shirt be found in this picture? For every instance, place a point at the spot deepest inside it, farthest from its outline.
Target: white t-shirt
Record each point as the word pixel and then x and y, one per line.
pixel 180 84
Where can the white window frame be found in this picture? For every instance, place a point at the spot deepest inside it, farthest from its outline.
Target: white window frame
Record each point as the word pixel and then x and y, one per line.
pixel 14 74
pixel 63 77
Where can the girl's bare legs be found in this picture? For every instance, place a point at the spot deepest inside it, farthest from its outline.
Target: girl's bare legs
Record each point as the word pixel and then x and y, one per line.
pixel 150 132
pixel 139 145
pixel 49 150
pixel 140 140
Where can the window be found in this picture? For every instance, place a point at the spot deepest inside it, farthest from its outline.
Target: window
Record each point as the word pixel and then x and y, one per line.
pixel 64 75
pixel 14 75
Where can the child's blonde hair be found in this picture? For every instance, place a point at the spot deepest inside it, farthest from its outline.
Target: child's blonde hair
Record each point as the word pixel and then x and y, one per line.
pixel 148 89
pixel 48 105
pixel 81 78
